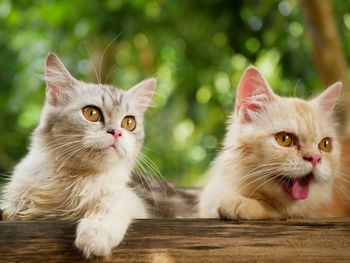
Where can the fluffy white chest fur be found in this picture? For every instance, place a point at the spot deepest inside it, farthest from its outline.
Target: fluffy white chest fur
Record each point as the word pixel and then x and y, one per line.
pixel 103 203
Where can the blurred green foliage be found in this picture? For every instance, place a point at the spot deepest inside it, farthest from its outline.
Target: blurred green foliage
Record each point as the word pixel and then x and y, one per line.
pixel 196 49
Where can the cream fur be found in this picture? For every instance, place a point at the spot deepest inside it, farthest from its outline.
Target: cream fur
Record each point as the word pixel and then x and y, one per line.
pixel 241 184
pixel 71 171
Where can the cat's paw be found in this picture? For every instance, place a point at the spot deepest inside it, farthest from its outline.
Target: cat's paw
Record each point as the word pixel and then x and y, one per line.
pixel 243 208
pixel 227 209
pixel 2 215
pixel 7 214
pixel 95 238
pixel 250 209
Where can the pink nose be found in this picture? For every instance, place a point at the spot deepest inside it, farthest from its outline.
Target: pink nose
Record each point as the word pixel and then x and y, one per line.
pixel 115 133
pixel 312 158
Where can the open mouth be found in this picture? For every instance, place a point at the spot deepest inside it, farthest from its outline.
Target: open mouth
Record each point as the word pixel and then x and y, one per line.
pixel 297 188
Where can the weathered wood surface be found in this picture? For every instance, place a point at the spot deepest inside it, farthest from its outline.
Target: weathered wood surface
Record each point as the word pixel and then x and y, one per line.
pixel 187 240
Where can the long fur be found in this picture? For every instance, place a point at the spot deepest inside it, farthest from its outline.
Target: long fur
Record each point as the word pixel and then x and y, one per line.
pixel 75 169
pixel 165 200
pixel 245 178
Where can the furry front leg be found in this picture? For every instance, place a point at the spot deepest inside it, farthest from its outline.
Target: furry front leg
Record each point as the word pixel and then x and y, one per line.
pixel 4 215
pixel 8 213
pixel 98 234
pixel 241 207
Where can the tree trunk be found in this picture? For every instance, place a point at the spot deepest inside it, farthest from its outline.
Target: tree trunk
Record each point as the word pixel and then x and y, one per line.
pixel 327 50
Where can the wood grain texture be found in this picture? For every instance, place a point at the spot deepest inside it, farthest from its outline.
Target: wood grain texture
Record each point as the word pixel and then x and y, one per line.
pixel 187 240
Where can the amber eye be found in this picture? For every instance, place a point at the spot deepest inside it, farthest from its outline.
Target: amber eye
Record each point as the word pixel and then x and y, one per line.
pixel 284 139
pixel 325 145
pixel 129 123
pixel 92 113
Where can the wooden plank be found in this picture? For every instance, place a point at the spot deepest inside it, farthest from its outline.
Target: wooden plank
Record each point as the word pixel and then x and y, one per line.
pixel 187 240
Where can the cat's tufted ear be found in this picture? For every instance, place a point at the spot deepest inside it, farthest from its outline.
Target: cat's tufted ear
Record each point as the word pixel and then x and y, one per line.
pixel 329 98
pixel 142 93
pixel 59 81
pixel 252 93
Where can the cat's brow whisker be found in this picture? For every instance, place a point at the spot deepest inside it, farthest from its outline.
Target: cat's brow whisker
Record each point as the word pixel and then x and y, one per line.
pixel 92 62
pixel 110 71
pixel 103 54
pixel 296 86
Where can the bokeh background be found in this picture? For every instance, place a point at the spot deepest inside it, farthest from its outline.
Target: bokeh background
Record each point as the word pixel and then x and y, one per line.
pixel 197 50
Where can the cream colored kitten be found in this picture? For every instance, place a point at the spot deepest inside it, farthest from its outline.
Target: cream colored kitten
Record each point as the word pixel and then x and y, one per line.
pixel 80 160
pixel 280 157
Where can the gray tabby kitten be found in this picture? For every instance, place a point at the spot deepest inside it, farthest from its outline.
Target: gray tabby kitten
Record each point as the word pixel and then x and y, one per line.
pixel 80 160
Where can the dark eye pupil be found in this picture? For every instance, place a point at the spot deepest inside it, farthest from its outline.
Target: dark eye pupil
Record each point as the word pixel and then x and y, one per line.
pixel 284 138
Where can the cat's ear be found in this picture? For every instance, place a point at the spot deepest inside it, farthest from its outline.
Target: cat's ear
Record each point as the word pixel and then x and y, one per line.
pixel 252 93
pixel 59 81
pixel 142 93
pixel 329 98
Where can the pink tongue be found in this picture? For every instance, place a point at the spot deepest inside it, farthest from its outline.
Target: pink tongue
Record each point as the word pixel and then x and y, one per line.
pixel 300 189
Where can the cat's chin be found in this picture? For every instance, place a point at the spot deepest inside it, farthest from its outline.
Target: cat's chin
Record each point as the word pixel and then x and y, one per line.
pixel 113 151
pixel 297 188
pixel 112 148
